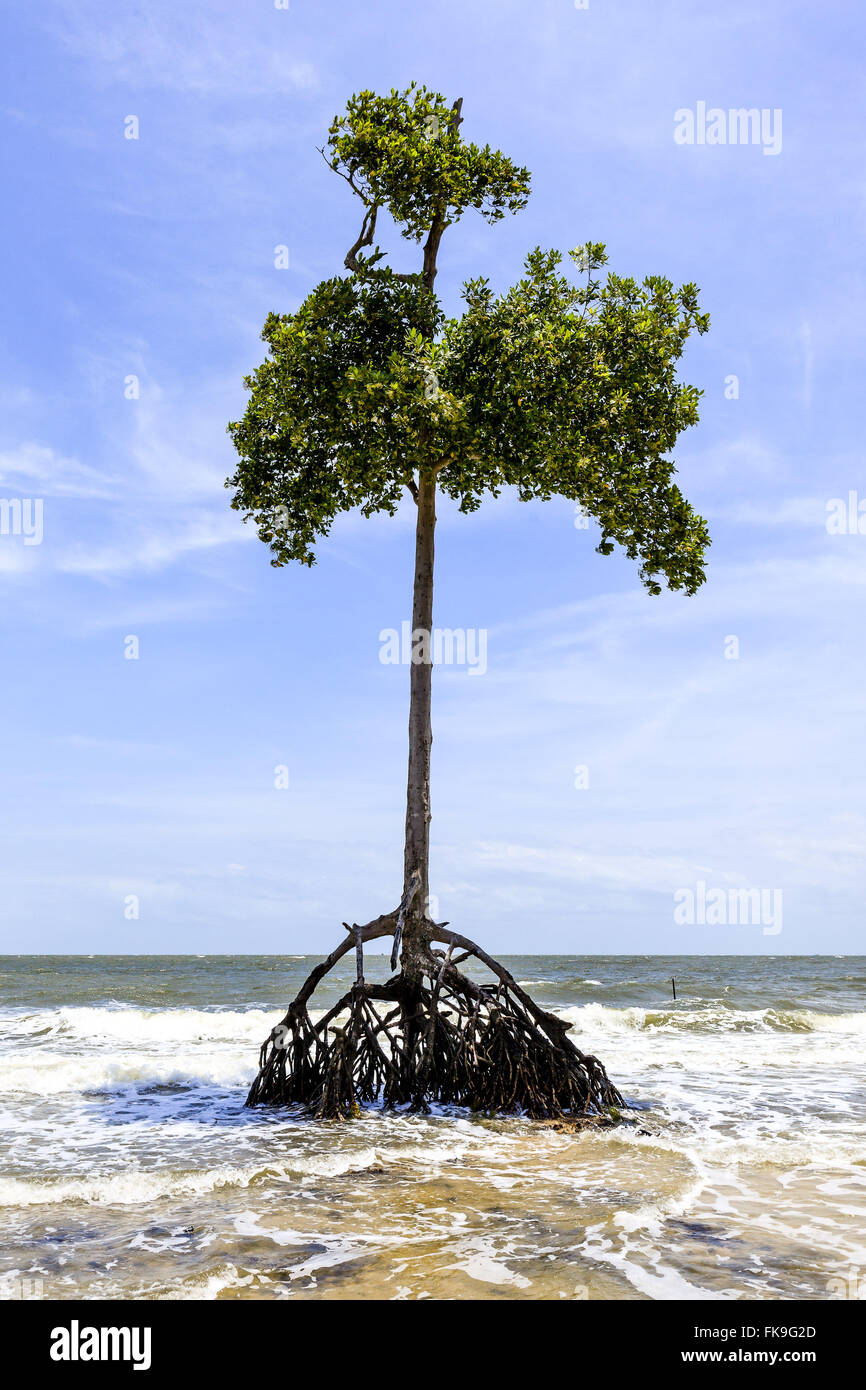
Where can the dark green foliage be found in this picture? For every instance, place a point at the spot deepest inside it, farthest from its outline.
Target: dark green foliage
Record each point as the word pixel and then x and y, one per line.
pixel 556 387
pixel 404 152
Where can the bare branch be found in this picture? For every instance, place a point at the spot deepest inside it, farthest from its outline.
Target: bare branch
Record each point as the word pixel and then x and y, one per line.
pixel 365 238
pixel 348 177
pixel 411 889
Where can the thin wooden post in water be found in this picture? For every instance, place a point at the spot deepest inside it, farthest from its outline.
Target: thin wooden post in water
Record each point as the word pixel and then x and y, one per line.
pixel 358 933
pixel 674 986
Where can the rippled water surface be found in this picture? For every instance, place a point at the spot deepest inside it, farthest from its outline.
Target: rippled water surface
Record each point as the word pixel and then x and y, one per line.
pixel 130 1169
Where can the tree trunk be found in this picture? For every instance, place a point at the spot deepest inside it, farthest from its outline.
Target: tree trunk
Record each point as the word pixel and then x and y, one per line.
pixel 417 848
pixel 416 856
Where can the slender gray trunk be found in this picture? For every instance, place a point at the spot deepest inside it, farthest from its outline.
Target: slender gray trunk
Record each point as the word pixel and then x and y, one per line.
pixel 416 863
pixel 417 850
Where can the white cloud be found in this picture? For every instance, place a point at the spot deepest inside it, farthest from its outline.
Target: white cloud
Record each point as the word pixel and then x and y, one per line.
pixel 113 746
pixel 52 474
pixel 215 48
pixel 810 512
pixel 157 548
pixel 655 872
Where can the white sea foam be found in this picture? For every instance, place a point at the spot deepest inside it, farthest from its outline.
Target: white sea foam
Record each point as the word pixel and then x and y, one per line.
pixel 296 1161
pixel 146 1026
pixel 131 1188
pixel 711 1018
pixel 58 1074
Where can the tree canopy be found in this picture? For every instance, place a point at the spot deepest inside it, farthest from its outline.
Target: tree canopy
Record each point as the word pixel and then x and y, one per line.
pixel 562 385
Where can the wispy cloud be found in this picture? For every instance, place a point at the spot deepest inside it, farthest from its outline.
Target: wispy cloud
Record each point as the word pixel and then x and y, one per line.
pixel 215 49
pixel 43 470
pixel 155 549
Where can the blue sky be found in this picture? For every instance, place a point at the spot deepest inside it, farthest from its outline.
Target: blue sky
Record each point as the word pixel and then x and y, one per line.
pixel 153 778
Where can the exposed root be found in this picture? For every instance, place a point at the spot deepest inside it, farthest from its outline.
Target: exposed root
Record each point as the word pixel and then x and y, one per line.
pixel 432 1035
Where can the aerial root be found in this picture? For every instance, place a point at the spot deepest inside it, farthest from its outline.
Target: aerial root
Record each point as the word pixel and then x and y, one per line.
pixel 436 1036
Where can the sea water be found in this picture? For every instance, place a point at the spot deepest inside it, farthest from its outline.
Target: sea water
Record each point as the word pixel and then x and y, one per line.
pixel 130 1168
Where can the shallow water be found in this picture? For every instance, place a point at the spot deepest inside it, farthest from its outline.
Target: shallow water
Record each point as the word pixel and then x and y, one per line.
pixel 130 1168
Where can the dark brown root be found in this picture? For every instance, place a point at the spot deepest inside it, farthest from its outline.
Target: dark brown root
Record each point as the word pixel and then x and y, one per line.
pixel 434 1035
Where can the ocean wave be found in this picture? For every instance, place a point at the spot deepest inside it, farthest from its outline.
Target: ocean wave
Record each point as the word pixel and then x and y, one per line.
pixel 708 1143
pixel 712 1018
pixel 57 1075
pixel 167 1025
pixel 563 986
pixel 137 1186
pixel 131 1188
pixel 79 1050
pixel 160 1028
